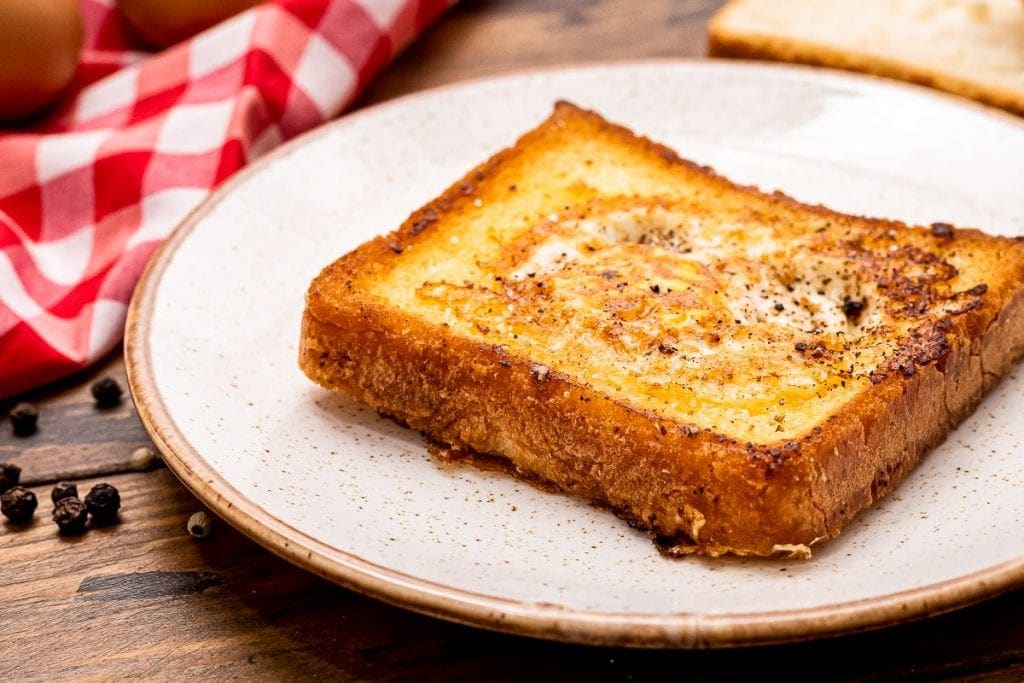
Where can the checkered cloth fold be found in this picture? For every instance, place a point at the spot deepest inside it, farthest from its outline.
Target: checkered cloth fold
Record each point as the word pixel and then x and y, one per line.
pixel 88 194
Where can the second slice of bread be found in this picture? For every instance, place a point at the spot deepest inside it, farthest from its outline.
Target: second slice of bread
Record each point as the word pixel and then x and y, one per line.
pixel 973 48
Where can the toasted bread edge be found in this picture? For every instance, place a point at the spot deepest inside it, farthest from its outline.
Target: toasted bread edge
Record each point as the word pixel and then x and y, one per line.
pixel 704 491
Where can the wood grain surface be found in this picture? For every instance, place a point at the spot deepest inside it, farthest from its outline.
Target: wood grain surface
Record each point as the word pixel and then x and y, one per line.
pixel 143 599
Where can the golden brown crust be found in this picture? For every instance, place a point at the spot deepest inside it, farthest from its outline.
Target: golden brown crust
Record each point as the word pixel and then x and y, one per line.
pixel 890 428
pixel 699 487
pixel 705 491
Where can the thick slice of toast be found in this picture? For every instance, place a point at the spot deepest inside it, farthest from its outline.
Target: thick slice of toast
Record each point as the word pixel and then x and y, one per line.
pixel 735 371
pixel 973 48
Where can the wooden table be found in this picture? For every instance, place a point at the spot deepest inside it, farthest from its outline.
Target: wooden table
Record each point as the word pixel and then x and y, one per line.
pixel 144 599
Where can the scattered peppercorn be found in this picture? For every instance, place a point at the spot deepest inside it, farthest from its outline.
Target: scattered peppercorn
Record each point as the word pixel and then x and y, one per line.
pixel 942 229
pixel 199 525
pixel 24 419
pixel 10 475
pixel 18 504
pixel 143 458
pixel 107 392
pixel 800 346
pixel 103 502
pixel 70 515
pixel 64 489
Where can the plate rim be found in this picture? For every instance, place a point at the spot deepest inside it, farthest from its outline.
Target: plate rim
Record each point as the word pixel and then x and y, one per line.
pixel 539 620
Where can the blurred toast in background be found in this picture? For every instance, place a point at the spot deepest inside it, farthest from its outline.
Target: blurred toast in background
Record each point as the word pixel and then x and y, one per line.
pixel 973 48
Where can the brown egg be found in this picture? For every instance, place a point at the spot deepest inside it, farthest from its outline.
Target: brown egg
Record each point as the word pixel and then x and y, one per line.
pixel 166 22
pixel 39 45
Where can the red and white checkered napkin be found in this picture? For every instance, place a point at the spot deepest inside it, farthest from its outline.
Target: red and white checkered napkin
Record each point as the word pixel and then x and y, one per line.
pixel 87 195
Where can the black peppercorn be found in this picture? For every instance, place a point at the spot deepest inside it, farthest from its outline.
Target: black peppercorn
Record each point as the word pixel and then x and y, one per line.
pixel 64 489
pixel 107 392
pixel 10 474
pixel 18 504
pixel 24 419
pixel 70 515
pixel 103 502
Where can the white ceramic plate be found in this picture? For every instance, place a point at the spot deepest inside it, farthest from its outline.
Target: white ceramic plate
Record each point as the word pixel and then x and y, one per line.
pixel 212 334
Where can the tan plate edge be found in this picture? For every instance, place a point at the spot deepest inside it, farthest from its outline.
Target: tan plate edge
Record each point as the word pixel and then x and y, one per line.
pixel 531 619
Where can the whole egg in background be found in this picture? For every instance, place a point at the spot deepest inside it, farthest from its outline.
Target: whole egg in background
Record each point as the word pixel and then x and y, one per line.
pixel 39 45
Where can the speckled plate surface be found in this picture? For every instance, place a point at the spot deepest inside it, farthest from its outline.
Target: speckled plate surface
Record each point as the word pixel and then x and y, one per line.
pixel 213 329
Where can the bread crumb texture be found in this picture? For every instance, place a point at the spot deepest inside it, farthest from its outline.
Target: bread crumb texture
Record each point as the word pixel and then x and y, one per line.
pixel 723 320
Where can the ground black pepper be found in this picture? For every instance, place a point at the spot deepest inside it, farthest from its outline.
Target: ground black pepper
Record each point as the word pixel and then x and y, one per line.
pixel 24 419
pixel 103 502
pixel 107 392
pixel 422 223
pixel 852 309
pixel 70 515
pixel 10 475
pixel 18 504
pixel 64 489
